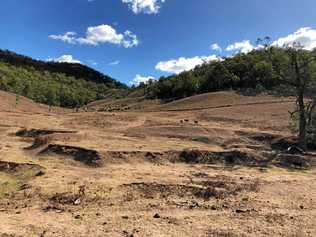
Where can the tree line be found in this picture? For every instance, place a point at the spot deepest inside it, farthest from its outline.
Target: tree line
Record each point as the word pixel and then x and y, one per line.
pixel 254 70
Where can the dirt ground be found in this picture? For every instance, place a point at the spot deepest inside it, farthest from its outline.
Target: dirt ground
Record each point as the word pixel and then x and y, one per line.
pixel 207 172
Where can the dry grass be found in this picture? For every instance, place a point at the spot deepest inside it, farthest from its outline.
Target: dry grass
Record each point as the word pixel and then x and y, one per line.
pixel 142 187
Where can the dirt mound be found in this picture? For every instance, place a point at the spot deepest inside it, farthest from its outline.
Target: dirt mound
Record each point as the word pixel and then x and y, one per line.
pixel 65 199
pixel 39 132
pixel 249 159
pixel 137 156
pixel 12 168
pixel 234 157
pixel 38 143
pixel 218 188
pixel 88 157
pixel 44 145
pixel 259 136
pixel 229 158
pixel 293 161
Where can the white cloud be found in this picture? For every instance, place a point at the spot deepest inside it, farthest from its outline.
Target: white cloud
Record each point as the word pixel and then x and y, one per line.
pixel 141 79
pixel 306 37
pixel 216 47
pixel 130 39
pixel 64 59
pixel 68 37
pixel 184 64
pixel 243 47
pixel 144 6
pixel 101 34
pixel 114 63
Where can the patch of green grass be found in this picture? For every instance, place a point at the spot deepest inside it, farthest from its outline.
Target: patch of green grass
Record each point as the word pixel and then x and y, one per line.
pixel 77 222
pixel 8 184
pixel 11 181
pixel 27 173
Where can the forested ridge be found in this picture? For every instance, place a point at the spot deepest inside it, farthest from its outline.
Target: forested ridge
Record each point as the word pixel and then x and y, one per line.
pixel 52 83
pixel 255 71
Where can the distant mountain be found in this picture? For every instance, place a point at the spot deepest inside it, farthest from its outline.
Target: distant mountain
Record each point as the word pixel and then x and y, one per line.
pixel 52 83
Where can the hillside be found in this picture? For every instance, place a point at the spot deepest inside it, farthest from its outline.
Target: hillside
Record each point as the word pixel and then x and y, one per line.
pixel 255 72
pixel 10 103
pixel 210 100
pixel 57 84
pixel 78 71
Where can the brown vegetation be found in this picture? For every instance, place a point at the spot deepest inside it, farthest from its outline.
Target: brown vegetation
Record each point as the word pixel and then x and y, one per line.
pixel 223 171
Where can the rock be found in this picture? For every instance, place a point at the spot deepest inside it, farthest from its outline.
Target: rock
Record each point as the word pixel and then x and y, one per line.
pixel 77 217
pixel 156 216
pixel 284 143
pixel 295 150
pixel 39 173
pixel 77 201
pixel 239 211
pixel 293 161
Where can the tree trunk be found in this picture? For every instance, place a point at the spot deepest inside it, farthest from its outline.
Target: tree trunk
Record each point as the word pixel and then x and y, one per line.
pixel 301 104
pixel 302 120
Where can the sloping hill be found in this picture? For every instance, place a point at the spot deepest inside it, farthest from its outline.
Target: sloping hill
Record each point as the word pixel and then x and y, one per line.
pixel 197 102
pixel 125 104
pixel 57 84
pixel 220 99
pixel 11 103
pixel 78 71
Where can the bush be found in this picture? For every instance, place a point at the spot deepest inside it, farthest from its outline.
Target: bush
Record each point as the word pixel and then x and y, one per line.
pixel 310 128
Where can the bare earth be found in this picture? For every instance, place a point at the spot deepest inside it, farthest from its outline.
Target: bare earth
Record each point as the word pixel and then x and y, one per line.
pixel 191 172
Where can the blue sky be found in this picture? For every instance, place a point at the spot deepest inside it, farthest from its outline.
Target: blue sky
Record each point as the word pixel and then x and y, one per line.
pixel 149 37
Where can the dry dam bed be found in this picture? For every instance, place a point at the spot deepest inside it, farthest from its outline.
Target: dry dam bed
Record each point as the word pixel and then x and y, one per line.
pixel 222 172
